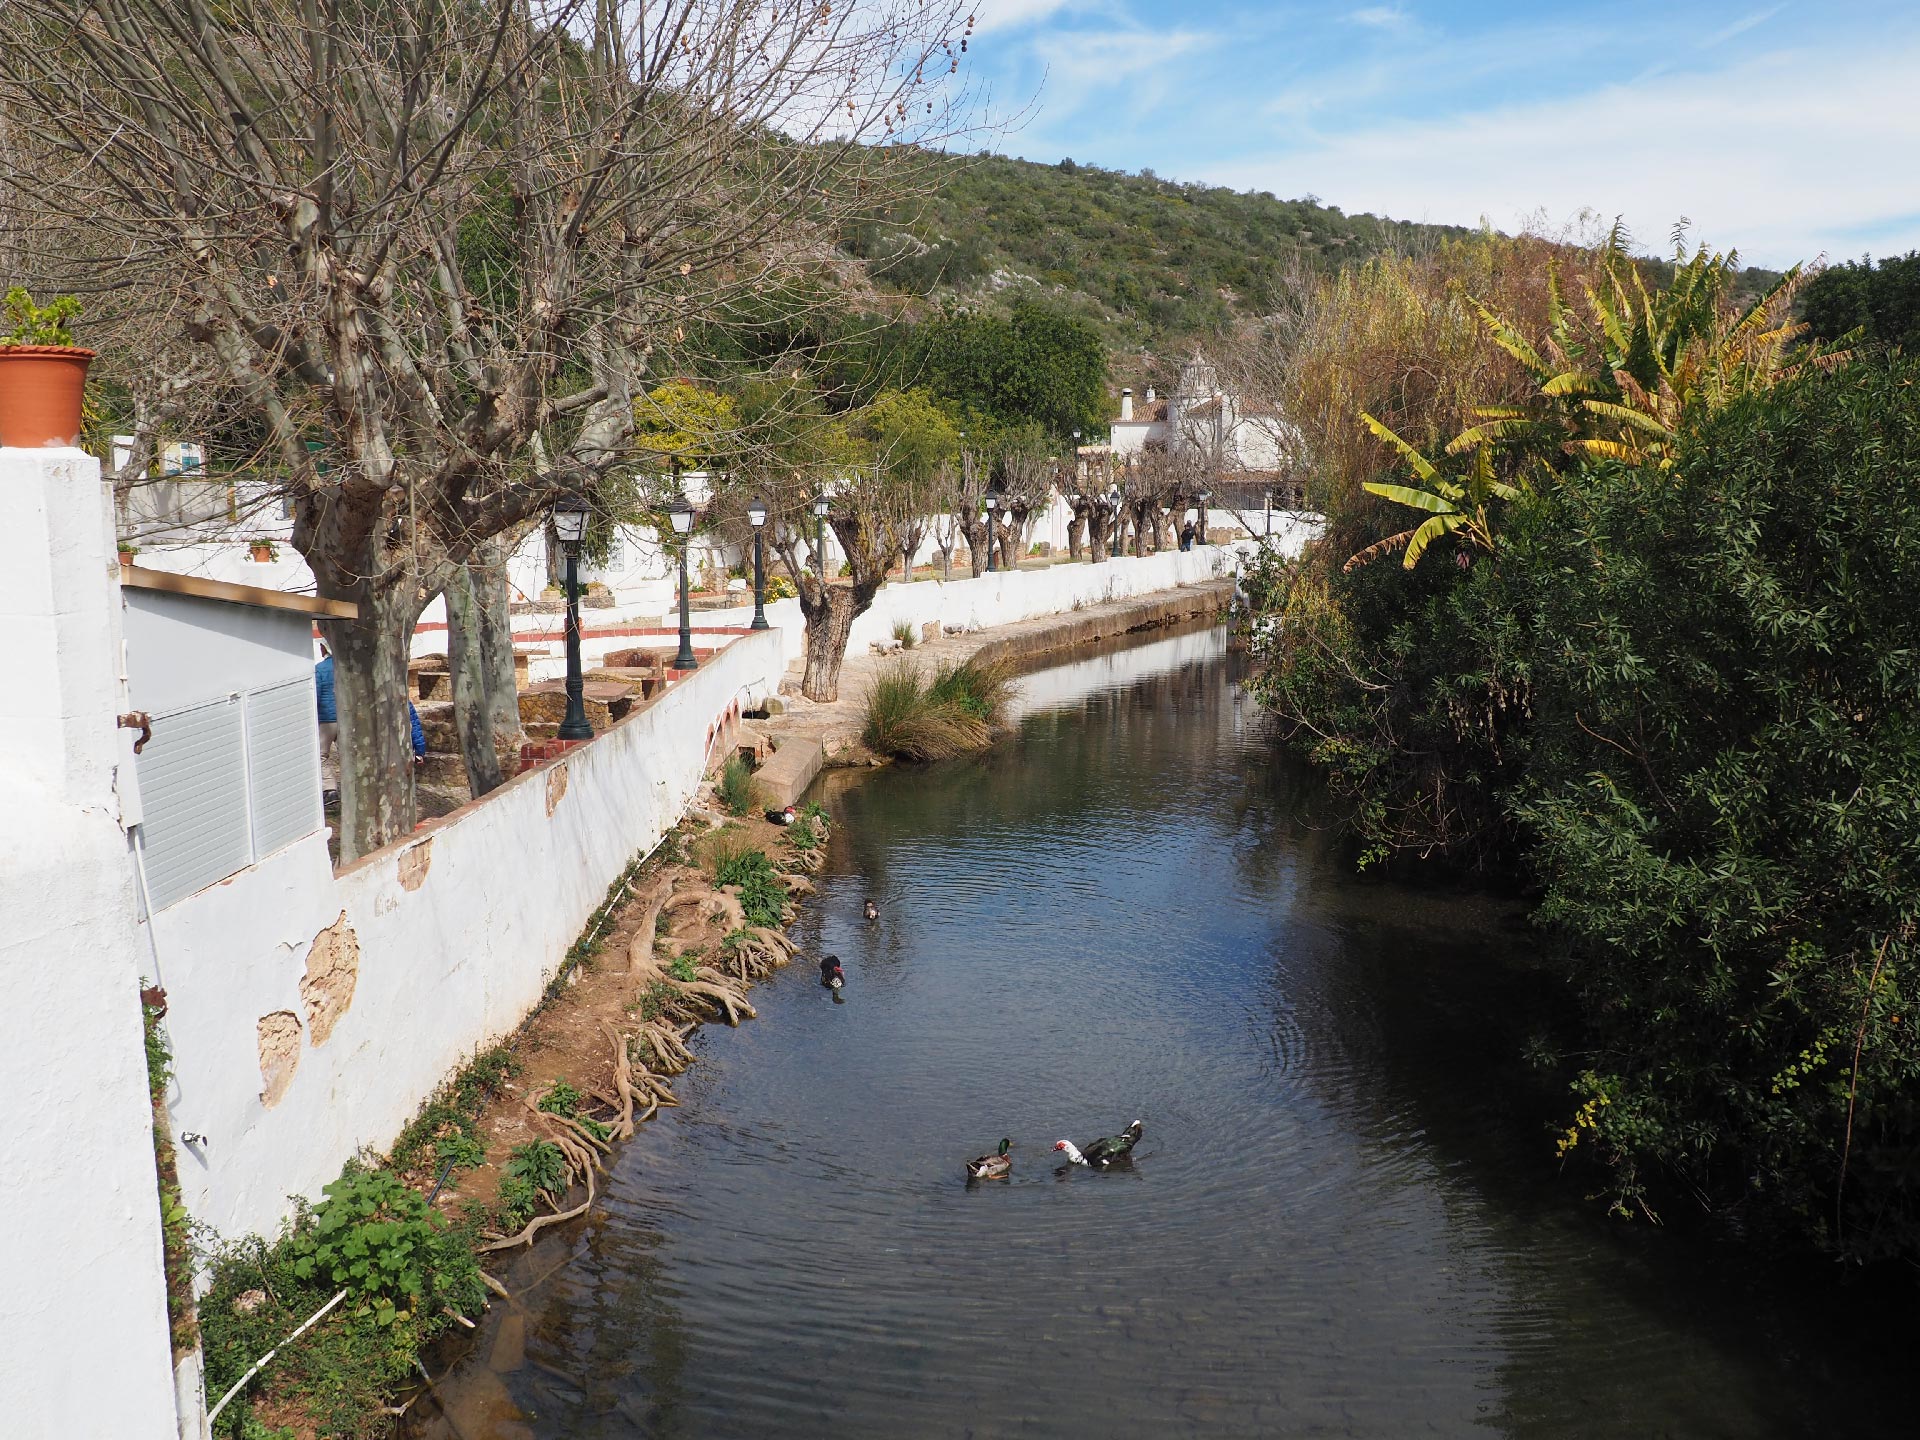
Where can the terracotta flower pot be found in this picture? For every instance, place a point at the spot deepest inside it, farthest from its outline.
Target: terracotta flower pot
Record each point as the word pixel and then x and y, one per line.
pixel 261 553
pixel 40 390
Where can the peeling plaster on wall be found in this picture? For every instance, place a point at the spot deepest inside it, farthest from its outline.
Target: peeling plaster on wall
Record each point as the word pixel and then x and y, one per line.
pixel 333 968
pixel 414 865
pixel 279 1040
pixel 556 787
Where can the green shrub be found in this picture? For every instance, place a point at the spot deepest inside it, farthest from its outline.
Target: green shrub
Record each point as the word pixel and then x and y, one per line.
pixel 736 785
pixel 31 324
pixel 377 1239
pixel 906 634
pixel 682 967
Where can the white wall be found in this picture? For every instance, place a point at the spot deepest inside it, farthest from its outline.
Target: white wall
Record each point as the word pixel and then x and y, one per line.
pixel 1003 598
pixel 83 1324
pixel 457 927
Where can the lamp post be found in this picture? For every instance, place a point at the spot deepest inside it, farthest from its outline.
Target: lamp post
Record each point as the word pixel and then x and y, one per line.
pixel 570 524
pixel 1205 497
pixel 1113 505
pixel 757 517
pixel 820 507
pixel 682 512
pixel 993 516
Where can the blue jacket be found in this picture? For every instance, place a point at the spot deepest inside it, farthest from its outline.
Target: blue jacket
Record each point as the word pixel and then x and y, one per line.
pixel 323 691
pixel 419 735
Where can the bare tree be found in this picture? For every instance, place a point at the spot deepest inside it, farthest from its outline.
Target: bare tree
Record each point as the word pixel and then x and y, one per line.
pixel 423 234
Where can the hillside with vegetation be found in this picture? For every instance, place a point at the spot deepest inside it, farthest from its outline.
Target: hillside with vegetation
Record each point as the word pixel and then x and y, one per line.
pixel 1154 263
pixel 1151 260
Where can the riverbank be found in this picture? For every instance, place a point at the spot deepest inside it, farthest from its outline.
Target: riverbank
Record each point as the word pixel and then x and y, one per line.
pixel 805 736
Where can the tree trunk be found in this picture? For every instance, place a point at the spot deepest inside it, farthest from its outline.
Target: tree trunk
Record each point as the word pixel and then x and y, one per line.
pixel 493 606
pixel 473 712
pixel 827 632
pixel 976 534
pixel 1096 537
pixel 1076 536
pixel 377 803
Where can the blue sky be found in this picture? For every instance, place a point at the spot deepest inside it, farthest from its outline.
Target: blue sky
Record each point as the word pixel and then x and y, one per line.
pixel 1787 130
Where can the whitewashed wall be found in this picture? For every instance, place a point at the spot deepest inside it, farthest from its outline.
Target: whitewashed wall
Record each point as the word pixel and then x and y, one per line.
pixel 1003 598
pixel 457 930
pixel 83 1323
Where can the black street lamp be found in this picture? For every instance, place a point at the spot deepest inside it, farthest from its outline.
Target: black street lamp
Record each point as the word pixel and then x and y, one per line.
pixel 682 512
pixel 757 517
pixel 820 507
pixel 1205 496
pixel 993 507
pixel 570 524
pixel 1113 506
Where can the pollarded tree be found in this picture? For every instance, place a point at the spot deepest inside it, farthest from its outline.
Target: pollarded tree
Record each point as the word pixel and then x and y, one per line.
pixel 431 243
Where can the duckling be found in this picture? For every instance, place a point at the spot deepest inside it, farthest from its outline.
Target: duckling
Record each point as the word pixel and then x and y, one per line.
pixel 873 912
pixel 997 1166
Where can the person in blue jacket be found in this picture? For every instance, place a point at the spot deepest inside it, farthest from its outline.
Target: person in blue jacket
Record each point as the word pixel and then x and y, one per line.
pixel 329 729
pixel 419 736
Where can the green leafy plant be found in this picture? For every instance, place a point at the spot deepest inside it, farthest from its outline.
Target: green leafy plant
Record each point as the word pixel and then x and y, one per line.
pixel 763 896
pixel 533 1169
pixel 682 968
pixel 459 1150
pixel 375 1238
pixel 31 324
pixel 906 634
pixel 562 1099
pixel 779 587
pixel 735 787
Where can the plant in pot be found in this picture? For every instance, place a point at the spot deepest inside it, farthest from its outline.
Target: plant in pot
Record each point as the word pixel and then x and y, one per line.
pixel 127 551
pixel 263 551
pixel 43 375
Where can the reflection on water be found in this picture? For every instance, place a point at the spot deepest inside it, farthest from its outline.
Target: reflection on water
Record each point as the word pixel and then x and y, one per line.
pixel 1336 1223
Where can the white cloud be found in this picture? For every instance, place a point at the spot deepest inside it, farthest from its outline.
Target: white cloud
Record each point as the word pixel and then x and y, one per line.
pixel 1007 14
pixel 1742 25
pixel 1783 155
pixel 1381 17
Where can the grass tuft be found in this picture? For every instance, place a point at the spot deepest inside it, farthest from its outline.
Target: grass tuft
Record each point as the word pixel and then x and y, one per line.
pixel 912 717
pixel 735 788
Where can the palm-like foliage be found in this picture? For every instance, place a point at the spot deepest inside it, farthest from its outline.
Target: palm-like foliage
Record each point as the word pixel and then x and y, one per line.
pixel 1459 505
pixel 1613 382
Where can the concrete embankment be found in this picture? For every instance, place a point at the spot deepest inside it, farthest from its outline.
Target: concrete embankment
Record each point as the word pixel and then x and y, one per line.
pixel 808 737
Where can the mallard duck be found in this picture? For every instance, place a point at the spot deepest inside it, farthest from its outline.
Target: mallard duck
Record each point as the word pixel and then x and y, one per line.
pixel 992 1167
pixel 831 975
pixel 1102 1153
pixel 873 911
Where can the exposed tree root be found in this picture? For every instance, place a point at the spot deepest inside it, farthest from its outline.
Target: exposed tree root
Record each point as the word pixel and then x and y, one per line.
pixel 495 1286
pixel 712 986
pixel 541 1222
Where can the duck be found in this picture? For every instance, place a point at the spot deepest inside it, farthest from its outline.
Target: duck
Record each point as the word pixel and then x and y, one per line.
pixel 1102 1153
pixel 873 911
pixel 831 975
pixel 782 817
pixel 997 1166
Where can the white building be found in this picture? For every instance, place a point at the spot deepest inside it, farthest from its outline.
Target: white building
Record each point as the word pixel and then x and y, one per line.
pixel 1231 440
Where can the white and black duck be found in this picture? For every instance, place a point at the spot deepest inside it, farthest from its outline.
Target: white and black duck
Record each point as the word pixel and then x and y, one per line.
pixel 1099 1154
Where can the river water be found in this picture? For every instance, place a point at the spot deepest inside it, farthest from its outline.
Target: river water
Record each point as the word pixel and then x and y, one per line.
pixel 1344 1217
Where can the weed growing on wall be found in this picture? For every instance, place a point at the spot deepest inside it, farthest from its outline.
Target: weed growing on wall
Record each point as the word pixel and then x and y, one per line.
pixel 175 1223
